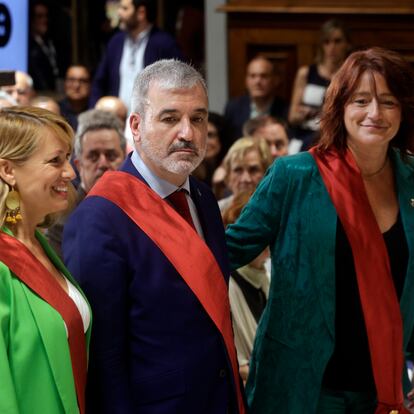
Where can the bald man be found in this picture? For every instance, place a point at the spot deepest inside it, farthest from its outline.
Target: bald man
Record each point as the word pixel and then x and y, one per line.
pixel 114 105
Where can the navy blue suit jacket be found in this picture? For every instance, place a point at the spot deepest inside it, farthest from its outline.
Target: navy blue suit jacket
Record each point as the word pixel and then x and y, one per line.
pixel 237 112
pixel 161 45
pixel 154 349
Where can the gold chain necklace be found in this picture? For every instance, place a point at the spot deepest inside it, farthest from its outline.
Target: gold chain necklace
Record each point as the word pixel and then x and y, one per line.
pixel 376 172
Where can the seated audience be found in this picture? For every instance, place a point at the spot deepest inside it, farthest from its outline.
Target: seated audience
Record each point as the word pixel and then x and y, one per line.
pixel 261 81
pixel 248 292
pixel 312 81
pixel 99 146
pixel 77 88
pixel 245 165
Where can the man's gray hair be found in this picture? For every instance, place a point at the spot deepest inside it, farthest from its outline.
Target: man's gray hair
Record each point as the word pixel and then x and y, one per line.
pixel 94 120
pixel 169 74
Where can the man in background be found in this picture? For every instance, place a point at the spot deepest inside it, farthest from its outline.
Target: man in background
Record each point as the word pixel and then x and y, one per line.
pixel 273 130
pixel 100 146
pixel 138 44
pixel 260 99
pixel 43 66
pixel 114 105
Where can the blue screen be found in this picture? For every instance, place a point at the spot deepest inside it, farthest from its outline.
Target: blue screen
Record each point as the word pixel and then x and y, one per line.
pixel 14 34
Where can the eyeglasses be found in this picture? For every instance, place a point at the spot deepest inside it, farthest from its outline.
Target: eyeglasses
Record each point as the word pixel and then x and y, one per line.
pixel 82 81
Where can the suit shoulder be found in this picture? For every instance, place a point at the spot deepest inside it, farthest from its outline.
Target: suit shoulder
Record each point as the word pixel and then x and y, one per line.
pixel 238 102
pixel 116 40
pixel 160 36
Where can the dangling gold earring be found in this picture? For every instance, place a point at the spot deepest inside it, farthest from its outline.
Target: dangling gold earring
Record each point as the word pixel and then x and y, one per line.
pixel 13 207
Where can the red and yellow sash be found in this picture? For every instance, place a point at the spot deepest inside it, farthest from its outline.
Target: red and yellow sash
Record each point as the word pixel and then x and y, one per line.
pixel 20 260
pixel 376 287
pixel 171 233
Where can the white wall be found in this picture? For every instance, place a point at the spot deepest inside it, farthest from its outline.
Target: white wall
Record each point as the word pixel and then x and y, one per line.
pixel 216 54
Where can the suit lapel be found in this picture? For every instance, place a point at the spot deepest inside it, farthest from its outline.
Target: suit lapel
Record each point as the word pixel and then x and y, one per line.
pixel 209 225
pixel 54 337
pixel 404 175
pixel 322 235
pixel 57 262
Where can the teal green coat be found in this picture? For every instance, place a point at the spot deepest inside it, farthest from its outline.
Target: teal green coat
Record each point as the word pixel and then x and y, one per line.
pixel 35 367
pixel 291 211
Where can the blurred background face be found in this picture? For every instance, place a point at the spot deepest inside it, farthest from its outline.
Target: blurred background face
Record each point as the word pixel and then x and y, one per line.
pixel 40 20
pixel 260 79
pixel 21 91
pixel 335 46
pixel 127 15
pixel 213 142
pixel 113 105
pixel 101 151
pixel 77 83
pixel 245 173
pixel 276 137
pixel 48 104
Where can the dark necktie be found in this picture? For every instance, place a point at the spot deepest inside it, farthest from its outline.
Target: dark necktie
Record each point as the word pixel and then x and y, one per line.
pixel 180 204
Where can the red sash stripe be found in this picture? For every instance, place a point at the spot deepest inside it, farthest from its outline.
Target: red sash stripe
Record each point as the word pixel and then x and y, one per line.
pixel 20 260
pixel 198 267
pixel 376 287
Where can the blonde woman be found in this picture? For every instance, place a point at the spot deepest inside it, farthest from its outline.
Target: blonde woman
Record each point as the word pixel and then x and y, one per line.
pixel 44 318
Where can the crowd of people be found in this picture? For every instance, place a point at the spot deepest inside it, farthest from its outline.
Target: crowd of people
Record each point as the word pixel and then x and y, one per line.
pixel 160 258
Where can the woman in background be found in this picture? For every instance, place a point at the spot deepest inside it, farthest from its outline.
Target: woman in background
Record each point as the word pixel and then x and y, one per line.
pixel 311 81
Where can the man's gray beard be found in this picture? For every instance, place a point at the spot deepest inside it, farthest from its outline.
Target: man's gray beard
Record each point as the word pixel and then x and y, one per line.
pixel 180 167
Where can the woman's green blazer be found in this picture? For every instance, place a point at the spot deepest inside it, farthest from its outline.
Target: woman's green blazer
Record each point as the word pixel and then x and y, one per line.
pixel 35 366
pixel 292 213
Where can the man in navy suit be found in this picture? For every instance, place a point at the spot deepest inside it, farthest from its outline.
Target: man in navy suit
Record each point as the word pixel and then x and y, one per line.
pixel 138 44
pixel 261 81
pixel 147 247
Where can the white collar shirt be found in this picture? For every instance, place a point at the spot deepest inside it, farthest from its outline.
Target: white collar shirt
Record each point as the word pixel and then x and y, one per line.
pixel 164 188
pixel 132 62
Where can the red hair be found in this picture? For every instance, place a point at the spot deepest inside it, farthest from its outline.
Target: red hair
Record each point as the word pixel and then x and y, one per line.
pixel 399 76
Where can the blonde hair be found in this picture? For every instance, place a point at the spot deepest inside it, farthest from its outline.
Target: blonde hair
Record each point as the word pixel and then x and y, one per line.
pixel 21 130
pixel 244 145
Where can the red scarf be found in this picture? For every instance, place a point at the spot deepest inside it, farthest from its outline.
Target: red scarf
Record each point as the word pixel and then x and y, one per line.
pixel 197 266
pixel 20 260
pixel 379 300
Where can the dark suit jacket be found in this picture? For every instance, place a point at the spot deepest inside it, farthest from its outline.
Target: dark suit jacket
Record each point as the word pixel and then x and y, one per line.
pixel 161 45
pixel 154 349
pixel 237 112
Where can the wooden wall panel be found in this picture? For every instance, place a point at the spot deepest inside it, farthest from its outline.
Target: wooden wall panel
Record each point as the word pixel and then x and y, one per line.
pixel 290 38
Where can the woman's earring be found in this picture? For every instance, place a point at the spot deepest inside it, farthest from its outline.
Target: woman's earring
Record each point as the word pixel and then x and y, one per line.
pixel 13 207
